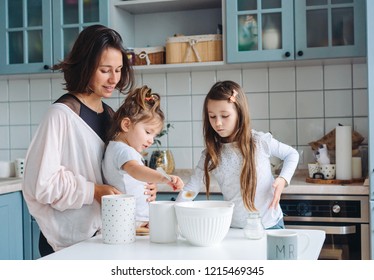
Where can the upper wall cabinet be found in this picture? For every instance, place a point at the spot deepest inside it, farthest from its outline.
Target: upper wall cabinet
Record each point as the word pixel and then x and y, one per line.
pixel 149 23
pixel 35 34
pixel 275 30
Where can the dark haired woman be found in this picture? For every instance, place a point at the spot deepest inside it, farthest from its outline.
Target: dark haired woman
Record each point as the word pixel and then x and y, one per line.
pixel 63 184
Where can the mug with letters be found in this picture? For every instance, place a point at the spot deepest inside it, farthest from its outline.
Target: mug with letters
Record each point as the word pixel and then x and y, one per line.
pixel 284 244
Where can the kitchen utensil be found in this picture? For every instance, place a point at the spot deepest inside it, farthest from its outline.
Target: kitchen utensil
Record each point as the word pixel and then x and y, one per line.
pixel 188 195
pixel 118 218
pixel 162 222
pixel 204 222
pixel 162 171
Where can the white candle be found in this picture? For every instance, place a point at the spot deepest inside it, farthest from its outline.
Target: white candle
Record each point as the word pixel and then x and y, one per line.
pixel 356 167
pixel 343 152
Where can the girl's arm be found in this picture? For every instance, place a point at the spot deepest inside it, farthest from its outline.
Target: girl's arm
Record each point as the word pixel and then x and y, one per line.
pixel 146 174
pixel 290 159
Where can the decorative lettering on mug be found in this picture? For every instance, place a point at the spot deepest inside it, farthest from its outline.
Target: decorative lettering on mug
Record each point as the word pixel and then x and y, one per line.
pixel 282 252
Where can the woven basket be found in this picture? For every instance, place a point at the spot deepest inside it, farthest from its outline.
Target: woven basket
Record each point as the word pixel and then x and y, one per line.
pixel 198 48
pixel 147 56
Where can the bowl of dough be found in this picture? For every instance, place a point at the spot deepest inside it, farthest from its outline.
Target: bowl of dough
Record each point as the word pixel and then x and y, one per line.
pixel 204 222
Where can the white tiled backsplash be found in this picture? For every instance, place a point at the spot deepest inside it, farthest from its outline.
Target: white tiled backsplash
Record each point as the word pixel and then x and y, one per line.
pixel 297 104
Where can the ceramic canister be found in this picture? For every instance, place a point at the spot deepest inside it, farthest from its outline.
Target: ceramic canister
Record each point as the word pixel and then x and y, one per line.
pixel 118 218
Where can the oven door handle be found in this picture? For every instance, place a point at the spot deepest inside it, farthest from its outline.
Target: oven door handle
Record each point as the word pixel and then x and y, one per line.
pixel 342 230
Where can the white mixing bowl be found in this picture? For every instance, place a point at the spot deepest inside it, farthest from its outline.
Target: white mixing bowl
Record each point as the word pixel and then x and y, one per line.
pixel 205 222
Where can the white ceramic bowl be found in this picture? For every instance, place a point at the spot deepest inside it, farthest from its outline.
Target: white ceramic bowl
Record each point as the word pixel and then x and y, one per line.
pixel 205 222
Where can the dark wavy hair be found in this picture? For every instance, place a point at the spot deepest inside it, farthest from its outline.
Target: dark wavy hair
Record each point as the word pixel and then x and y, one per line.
pixel 83 60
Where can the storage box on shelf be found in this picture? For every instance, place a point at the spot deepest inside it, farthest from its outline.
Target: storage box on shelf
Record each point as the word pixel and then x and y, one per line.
pixel 151 55
pixel 199 48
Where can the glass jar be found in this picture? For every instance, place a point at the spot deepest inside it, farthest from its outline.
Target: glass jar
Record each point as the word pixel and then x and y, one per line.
pixel 254 228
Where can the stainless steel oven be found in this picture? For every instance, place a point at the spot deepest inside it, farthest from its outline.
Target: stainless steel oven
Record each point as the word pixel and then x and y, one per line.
pixel 345 219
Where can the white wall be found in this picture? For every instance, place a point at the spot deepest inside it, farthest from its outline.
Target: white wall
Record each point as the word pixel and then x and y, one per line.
pixel 297 104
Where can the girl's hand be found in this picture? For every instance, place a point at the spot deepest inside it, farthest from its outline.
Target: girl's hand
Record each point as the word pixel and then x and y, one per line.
pixel 151 190
pixel 278 185
pixel 176 183
pixel 101 190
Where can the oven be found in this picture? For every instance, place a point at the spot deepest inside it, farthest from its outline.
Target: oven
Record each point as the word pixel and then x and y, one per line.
pixel 344 218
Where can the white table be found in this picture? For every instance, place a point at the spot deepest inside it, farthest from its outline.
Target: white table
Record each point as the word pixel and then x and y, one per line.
pixel 234 247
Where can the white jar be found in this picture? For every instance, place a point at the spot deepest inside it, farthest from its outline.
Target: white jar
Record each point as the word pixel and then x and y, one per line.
pixel 254 228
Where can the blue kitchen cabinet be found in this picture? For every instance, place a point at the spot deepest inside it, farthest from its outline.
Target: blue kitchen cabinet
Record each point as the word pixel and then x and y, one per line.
pixel 276 30
pixel 35 34
pixel 31 234
pixel 11 233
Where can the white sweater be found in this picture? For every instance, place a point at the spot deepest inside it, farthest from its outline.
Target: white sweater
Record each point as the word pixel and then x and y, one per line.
pixel 62 164
pixel 227 175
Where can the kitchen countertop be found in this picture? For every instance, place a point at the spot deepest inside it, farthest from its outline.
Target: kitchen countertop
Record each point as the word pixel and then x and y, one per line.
pixel 8 185
pixel 298 185
pixel 234 247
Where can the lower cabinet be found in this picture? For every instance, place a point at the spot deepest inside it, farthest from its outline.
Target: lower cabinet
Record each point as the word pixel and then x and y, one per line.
pixel 11 233
pixel 31 234
pixel 35 240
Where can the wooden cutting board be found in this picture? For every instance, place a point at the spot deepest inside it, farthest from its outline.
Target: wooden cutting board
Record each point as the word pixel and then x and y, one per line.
pixel 333 181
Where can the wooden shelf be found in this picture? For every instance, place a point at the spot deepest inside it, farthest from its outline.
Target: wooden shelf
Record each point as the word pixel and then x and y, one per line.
pixel 151 6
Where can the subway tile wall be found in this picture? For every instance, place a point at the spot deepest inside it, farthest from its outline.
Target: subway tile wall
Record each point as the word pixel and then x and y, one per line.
pixel 297 104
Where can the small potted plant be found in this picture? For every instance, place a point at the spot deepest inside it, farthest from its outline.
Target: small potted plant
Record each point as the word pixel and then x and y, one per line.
pixel 162 157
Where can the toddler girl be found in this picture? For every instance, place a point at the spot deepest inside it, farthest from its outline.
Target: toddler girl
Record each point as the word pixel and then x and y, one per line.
pixel 134 126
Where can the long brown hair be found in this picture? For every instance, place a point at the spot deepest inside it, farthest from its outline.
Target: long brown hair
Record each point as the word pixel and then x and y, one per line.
pixel 81 63
pixel 232 92
pixel 141 104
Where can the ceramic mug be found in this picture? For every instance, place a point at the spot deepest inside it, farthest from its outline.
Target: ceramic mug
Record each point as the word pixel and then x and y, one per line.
pixel 19 165
pixel 118 218
pixel 328 171
pixel 162 222
pixel 6 169
pixel 313 168
pixel 284 244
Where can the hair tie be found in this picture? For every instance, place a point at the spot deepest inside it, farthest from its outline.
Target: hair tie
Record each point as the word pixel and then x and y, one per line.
pixel 151 97
pixel 232 98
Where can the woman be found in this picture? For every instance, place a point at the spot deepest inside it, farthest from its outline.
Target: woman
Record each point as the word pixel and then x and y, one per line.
pixel 63 184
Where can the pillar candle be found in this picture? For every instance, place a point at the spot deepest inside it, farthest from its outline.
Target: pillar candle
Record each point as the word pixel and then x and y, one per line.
pixel 356 168
pixel 343 152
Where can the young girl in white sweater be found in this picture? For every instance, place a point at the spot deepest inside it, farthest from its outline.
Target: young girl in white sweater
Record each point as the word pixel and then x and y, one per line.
pixel 239 158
